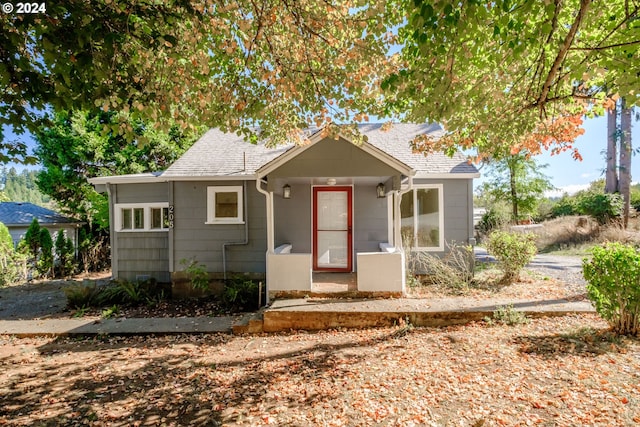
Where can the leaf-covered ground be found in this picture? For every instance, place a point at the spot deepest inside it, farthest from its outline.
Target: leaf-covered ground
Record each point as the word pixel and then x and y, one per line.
pixel 552 372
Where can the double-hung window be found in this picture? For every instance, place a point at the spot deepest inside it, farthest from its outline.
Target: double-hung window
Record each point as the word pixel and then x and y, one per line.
pixel 224 205
pixel 422 219
pixel 142 216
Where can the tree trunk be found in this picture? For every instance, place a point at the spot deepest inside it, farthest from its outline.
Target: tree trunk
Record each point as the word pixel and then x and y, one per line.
pixel 611 176
pixel 511 163
pixel 624 183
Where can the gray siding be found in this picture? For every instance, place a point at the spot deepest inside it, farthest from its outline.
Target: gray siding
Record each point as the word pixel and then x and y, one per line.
pixel 143 193
pixel 333 158
pixel 369 219
pixel 140 253
pixel 144 253
pixel 195 239
pixel 293 219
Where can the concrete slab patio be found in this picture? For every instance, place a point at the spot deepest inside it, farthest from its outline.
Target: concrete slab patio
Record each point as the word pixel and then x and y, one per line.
pixel 318 314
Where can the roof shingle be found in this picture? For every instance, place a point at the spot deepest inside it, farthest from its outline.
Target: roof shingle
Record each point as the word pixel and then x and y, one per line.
pixel 219 154
pixel 22 213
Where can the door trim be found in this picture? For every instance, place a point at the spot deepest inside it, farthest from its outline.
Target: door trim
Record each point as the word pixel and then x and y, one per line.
pixel 314 209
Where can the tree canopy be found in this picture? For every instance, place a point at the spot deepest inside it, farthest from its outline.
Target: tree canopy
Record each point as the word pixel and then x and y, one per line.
pixel 279 65
pixel 515 73
pixel 75 147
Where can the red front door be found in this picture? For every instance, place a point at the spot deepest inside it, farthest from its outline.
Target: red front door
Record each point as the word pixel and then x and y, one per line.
pixel 332 223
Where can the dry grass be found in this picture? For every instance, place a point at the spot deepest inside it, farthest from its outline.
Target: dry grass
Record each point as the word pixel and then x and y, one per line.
pixel 576 234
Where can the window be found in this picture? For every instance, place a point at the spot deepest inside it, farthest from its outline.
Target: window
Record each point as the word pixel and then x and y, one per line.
pixel 422 221
pixel 224 205
pixel 159 218
pixel 142 216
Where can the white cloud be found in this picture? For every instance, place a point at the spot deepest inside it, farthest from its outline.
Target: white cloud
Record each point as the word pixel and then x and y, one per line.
pixel 569 189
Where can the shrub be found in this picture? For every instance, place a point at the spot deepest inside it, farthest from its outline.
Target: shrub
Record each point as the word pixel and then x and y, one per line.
pixel 604 207
pixel 513 251
pixel 240 294
pixel 496 217
pixel 12 262
pixel 613 276
pixel 65 253
pixel 45 261
pixel 566 206
pixel 453 271
pixel 83 296
pixel 507 315
pixel 197 273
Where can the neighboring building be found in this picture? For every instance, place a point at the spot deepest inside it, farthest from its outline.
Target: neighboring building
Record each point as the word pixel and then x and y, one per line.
pixel 18 216
pixel 326 206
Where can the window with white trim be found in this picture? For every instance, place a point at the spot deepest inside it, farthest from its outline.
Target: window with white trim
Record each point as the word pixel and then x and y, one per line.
pixel 224 205
pixel 422 219
pixel 142 216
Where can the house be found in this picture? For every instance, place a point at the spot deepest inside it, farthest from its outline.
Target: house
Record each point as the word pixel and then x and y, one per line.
pixel 18 216
pixel 289 213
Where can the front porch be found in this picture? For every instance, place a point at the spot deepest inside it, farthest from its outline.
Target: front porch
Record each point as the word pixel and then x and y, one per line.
pixel 333 220
pixel 380 274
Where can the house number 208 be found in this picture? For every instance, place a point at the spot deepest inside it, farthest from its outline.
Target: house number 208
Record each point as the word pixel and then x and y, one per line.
pixel 171 216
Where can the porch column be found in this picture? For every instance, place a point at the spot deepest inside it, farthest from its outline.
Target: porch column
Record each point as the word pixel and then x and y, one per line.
pixel 397 236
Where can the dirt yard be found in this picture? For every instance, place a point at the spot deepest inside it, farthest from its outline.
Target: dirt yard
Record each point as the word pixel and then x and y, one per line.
pixel 552 372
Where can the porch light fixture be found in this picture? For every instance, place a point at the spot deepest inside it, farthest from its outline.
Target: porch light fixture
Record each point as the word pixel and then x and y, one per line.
pixel 380 191
pixel 286 191
pixel 331 181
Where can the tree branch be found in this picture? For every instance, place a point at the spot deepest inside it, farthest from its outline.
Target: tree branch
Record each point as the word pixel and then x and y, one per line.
pixel 557 63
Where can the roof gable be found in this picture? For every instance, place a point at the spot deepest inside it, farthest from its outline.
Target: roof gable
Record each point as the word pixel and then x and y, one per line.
pixel 218 154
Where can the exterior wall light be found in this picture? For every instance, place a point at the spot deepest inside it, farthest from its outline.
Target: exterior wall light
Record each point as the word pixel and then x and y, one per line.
pixel 380 191
pixel 286 191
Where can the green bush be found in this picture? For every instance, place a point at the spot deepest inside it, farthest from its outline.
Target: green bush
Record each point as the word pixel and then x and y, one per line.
pixel 566 206
pixel 45 261
pixel 12 262
pixel 613 276
pixel 197 273
pixel 240 294
pixel 83 296
pixel 119 293
pixel 65 254
pixel 513 251
pixel 507 315
pixel 496 217
pixel 603 207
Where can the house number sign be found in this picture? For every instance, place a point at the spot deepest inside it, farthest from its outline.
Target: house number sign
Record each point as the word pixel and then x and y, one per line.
pixel 171 216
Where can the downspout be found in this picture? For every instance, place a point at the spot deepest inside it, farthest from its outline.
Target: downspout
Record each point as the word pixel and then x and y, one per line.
pixel 270 237
pixel 112 235
pixel 246 233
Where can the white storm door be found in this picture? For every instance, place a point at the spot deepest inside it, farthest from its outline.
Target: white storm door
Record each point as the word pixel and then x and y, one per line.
pixel 332 222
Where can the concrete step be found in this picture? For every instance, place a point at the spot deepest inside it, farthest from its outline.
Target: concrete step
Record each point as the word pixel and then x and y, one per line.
pixel 319 314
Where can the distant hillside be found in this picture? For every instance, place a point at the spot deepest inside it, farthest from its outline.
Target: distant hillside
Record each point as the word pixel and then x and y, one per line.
pixel 21 187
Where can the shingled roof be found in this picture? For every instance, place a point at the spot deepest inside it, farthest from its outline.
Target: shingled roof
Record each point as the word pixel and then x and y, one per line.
pixel 22 213
pixel 219 154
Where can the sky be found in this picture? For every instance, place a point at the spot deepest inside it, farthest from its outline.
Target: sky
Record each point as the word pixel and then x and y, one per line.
pixel 565 173
pixel 569 175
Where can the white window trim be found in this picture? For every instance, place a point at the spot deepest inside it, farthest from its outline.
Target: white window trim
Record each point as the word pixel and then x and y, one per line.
pixel 440 189
pixel 118 207
pixel 211 206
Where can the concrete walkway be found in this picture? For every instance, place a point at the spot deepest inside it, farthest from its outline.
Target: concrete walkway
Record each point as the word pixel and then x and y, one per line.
pixel 301 314
pixel 117 326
